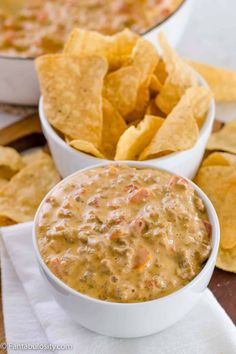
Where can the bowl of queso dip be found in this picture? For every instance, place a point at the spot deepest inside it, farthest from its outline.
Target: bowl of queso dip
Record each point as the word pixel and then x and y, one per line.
pixel 126 240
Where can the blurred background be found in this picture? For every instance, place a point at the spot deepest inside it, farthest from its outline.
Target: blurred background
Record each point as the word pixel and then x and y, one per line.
pixel 210 35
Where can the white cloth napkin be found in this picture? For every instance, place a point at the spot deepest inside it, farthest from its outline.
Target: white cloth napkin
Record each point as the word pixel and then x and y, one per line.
pixel 32 316
pixel 21 324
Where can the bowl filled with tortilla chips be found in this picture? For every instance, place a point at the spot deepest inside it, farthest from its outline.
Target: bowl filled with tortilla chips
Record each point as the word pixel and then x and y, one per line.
pixel 117 98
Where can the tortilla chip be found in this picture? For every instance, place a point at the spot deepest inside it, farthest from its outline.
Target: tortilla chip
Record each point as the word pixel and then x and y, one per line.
pixel 219 183
pixel 198 98
pixel 225 139
pixel 215 181
pixel 72 91
pixel 155 85
pixel 153 110
pixel 217 125
pixel 20 198
pixel 144 57
pixel 178 132
pixel 180 76
pixel 114 48
pixel 128 88
pixel 226 259
pixel 135 139
pixel 6 221
pixel 87 147
pixel 30 156
pixel 221 81
pixel 142 101
pixel 121 89
pixel 3 183
pixel 220 159
pixel 113 127
pixel 160 72
pixel 67 139
pixel 227 217
pixel 10 162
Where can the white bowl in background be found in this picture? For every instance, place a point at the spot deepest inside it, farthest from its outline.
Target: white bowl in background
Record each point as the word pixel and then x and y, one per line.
pixel 18 78
pixel 184 163
pixel 129 320
pixel 18 81
pixel 173 26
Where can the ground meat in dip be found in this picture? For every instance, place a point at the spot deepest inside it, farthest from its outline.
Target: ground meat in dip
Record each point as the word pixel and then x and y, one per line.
pixel 124 234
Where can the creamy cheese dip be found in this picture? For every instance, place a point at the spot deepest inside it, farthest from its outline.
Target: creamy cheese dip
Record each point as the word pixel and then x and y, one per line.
pixel 123 234
pixel 42 26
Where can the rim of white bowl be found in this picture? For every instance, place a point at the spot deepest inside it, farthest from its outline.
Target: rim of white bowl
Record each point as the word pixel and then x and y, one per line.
pixel 55 136
pixel 215 239
pixel 141 34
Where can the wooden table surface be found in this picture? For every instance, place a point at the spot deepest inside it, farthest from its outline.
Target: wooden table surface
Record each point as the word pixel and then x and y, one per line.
pixel 223 284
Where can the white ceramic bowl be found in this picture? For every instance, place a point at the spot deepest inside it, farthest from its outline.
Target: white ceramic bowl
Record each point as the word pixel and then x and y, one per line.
pixel 18 81
pixel 133 319
pixel 18 78
pixel 185 163
pixel 173 26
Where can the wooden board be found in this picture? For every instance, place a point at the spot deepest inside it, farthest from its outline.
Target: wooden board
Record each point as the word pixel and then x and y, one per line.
pixel 223 286
pixel 20 130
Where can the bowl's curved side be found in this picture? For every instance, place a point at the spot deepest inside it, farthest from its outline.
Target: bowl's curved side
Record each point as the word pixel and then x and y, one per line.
pixel 173 26
pixel 135 319
pixel 18 83
pixel 129 321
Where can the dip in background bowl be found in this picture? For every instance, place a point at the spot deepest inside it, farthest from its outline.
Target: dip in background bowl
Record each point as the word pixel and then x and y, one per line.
pixel 19 83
